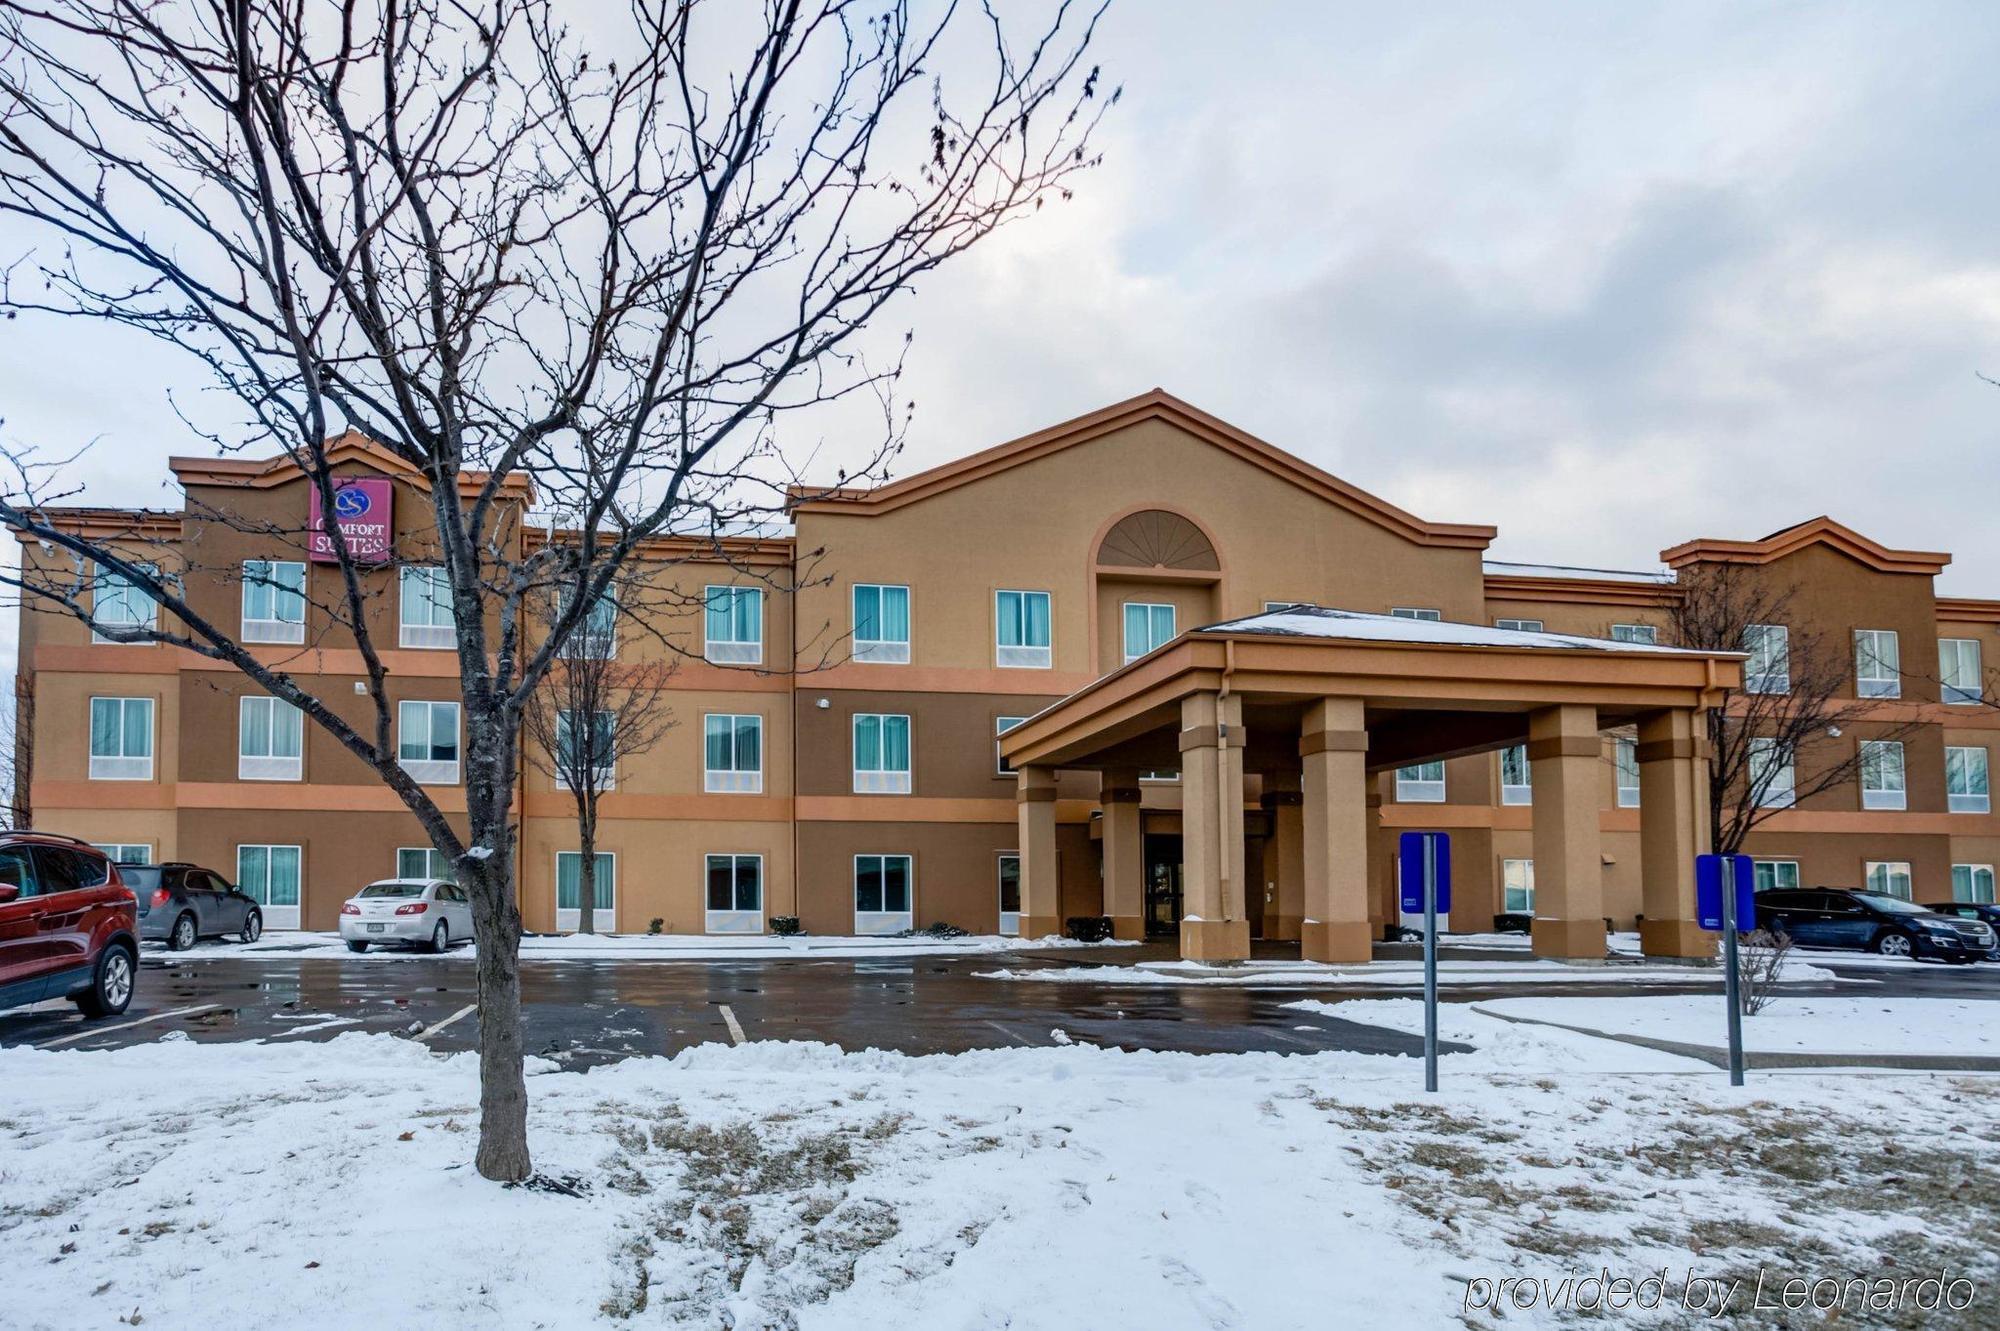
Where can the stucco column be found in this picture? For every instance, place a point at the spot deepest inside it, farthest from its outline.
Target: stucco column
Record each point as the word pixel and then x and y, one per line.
pixel 1567 755
pixel 1334 747
pixel 1214 925
pixel 1382 910
pixel 1673 829
pixel 1287 859
pixel 1041 886
pixel 1123 849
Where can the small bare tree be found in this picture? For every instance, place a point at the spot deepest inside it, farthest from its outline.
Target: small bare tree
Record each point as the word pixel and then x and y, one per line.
pixel 1760 968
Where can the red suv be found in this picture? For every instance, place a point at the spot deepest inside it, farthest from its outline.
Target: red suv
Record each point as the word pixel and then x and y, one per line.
pixel 69 927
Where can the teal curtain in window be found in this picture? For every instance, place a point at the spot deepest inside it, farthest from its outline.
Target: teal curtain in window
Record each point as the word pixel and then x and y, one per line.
pixel 1136 631
pixel 254 741
pixel 1024 619
pixel 881 614
pixel 749 743
pixel 274 590
pixel 735 614
pixel 569 881
pixel 717 744
pixel 1965 771
pixel 867 743
pixel 117 600
pixel 138 727
pixel 106 722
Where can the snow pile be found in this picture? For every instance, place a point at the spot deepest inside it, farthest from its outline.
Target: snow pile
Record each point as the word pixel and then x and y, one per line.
pixel 1398 974
pixel 660 947
pixel 1307 621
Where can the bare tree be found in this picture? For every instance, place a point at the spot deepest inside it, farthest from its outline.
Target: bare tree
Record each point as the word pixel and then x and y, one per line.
pixel 608 266
pixel 592 711
pixel 1789 721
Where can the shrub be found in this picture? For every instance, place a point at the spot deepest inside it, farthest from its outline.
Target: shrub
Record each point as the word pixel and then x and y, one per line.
pixel 656 925
pixel 1088 928
pixel 1760 963
pixel 943 930
pixel 785 926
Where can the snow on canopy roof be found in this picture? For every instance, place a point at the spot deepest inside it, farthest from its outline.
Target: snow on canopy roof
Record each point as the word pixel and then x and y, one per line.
pixel 1502 568
pixel 1312 621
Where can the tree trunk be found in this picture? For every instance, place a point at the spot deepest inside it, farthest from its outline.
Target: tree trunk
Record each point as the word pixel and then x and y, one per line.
pixel 487 872
pixel 586 829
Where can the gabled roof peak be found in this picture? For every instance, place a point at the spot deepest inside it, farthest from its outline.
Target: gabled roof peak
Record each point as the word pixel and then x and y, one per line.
pixel 1821 530
pixel 348 446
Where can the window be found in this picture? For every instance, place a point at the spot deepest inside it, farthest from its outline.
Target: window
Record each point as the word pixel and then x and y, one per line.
pixel 126 852
pixel 1021 630
pixel 1772 774
pixel 732 754
pixel 1775 875
pixel 569 890
pixel 882 894
pixel 425 614
pixel 269 876
pixel 1010 894
pixel 1878 664
pixel 1881 774
pixel 1161 774
pixel 1421 784
pixel 1517 785
pixel 1271 606
pixel 121 739
pixel 1625 757
pixel 1644 633
pixel 1519 625
pixel 881 755
pixel 1412 612
pixel 1961 670
pixel 881 624
pixel 595 638
pixel 1001 725
pixel 1965 786
pixel 1889 877
pixel 1972 883
pixel 427 741
pixel 574 749
pixel 1769 669
pixel 735 894
pixel 270 740
pixel 423 862
pixel 1517 887
pixel 735 625
pixel 117 603
pixel 274 600
pixel 1146 626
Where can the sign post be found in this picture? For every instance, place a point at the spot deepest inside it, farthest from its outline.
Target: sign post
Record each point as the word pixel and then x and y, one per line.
pixel 1424 861
pixel 1724 891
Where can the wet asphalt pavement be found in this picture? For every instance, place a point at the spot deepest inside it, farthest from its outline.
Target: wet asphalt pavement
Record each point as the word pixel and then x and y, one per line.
pixel 588 1012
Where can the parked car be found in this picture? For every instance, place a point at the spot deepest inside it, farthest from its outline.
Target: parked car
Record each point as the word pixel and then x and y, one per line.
pixel 68 925
pixel 181 903
pixel 1838 917
pixel 412 912
pixel 1985 912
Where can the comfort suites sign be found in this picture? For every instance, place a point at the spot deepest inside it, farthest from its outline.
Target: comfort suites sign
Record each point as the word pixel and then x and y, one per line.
pixel 361 511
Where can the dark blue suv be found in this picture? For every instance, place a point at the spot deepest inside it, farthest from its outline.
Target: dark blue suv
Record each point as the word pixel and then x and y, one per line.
pixel 1840 917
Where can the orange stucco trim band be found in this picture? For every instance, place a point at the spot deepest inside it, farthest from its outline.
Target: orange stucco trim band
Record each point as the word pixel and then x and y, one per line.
pixel 287 795
pixel 1333 741
pixel 1659 749
pixel 613 805
pixel 1199 737
pixel 923 809
pixel 1566 746
pixel 940 679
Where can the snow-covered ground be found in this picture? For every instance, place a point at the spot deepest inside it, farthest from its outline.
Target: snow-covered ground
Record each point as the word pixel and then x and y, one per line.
pixel 1401 974
pixel 650 947
pixel 779 1185
pixel 1837 1025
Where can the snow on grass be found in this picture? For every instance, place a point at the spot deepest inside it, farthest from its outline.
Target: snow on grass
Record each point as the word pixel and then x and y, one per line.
pixel 651 947
pixel 782 1185
pixel 1838 1025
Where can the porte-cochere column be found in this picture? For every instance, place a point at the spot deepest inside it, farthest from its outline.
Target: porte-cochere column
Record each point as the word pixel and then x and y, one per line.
pixel 1041 885
pixel 1568 773
pixel 1282 800
pixel 1123 849
pixel 1673 829
pixel 1215 925
pixel 1334 747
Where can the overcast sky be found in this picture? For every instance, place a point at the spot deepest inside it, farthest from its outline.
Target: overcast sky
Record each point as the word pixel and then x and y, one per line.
pixel 1607 276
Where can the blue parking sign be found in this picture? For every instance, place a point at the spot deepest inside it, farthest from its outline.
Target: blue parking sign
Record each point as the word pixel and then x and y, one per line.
pixel 1410 856
pixel 1708 892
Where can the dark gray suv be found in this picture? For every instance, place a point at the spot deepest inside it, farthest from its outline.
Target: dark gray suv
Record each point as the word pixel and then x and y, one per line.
pixel 179 903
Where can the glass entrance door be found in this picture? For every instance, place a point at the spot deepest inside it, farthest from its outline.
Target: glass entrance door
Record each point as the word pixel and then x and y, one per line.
pixel 1163 886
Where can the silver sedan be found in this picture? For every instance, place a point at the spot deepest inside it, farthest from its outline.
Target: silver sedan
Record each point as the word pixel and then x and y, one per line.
pixel 409 912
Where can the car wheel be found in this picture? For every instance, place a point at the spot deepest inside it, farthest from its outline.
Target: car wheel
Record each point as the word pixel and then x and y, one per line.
pixel 183 936
pixel 253 927
pixel 357 947
pixel 441 937
pixel 110 984
pixel 1894 945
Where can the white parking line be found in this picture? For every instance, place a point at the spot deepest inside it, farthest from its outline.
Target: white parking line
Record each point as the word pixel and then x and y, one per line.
pixel 89 1031
pixel 729 1020
pixel 428 1031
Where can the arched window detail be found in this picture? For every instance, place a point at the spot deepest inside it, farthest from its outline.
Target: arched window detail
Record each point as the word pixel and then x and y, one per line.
pixel 1157 539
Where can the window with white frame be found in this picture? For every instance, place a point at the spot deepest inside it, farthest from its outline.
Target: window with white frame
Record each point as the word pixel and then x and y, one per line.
pixel 274 600
pixel 121 739
pixel 881 623
pixel 1519 625
pixel 732 754
pixel 1022 632
pixel 270 876
pixel 424 613
pixel 1273 606
pixel 270 740
pixel 1643 633
pixel 116 602
pixel 882 894
pixel 1772 775
pixel 126 852
pixel 1769 669
pixel 595 636
pixel 423 862
pixel 735 894
pixel 1160 774
pixel 881 754
pixel 1889 877
pixel 1972 884
pixel 427 741
pixel 569 890
pixel 1878 664
pixel 1416 612
pixel 1960 670
pixel 1882 781
pixel 1421 783
pixel 1147 625
pixel 1517 776
pixel 1001 725
pixel 1517 887
pixel 734 625
pixel 1625 759
pixel 1010 893
pixel 1773 875
pixel 1965 781
pixel 577 749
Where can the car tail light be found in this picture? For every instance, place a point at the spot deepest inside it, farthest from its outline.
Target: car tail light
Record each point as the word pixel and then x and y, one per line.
pixel 414 908
pixel 161 896
pixel 349 908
